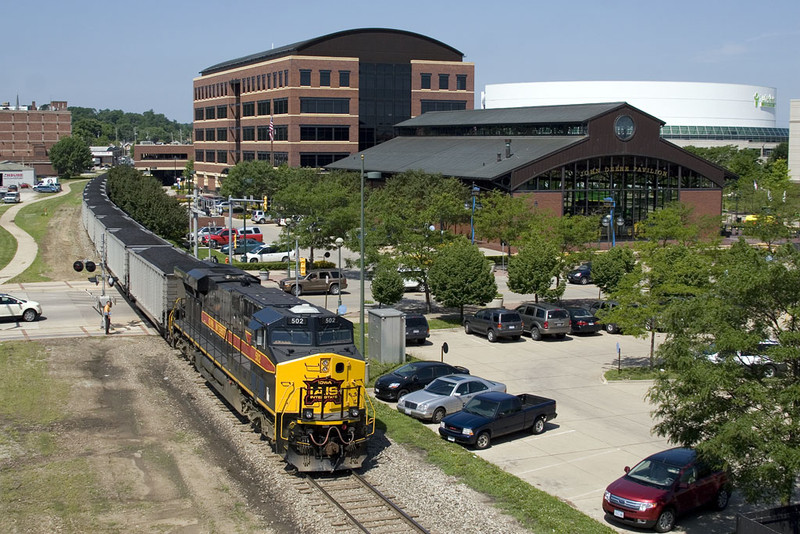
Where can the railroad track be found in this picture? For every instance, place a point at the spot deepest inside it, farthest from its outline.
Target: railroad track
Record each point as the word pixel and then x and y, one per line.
pixel 364 506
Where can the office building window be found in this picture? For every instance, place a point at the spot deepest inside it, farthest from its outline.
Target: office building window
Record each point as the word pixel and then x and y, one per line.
pixel 344 78
pixel 222 134
pixel 324 105
pixel 305 77
pixel 444 81
pixel 280 106
pixel 320 159
pixel 281 158
pixel 199 114
pixel 461 82
pixel 274 80
pixel 324 78
pixel 263 107
pixel 248 155
pixel 286 76
pixel 281 133
pixel 280 79
pixel 210 134
pixel 248 109
pixel 258 83
pixel 324 133
pixel 248 133
pixel 443 105
pixel 211 156
pixel 262 156
pixel 263 133
pixel 199 135
pixel 199 155
pixel 222 156
pixel 222 112
pixel 210 113
pixel 425 80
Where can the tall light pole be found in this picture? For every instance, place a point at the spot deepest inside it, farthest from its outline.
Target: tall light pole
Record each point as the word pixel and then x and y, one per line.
pixel 475 190
pixel 361 238
pixel 610 202
pixel 339 242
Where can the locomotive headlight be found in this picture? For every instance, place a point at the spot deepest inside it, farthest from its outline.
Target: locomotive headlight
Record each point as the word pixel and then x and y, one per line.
pixel 354 413
pixel 324 364
pixel 308 413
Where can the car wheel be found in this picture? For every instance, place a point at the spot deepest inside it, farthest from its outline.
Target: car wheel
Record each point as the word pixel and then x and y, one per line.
pixel 467 329
pixel 334 289
pixel 29 315
pixel 438 415
pixel 253 260
pixel 491 336
pixel 611 328
pixel 297 291
pixel 721 502
pixel 214 244
pixel 665 521
pixel 538 425
pixel 402 393
pixel 770 371
pixel 483 441
pixel 584 281
pixel 285 259
pixel 535 334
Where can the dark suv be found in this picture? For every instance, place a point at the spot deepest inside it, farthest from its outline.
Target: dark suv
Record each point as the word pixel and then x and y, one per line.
pixel 544 319
pixel 494 323
pixel 417 329
pixel 412 377
pixel 581 275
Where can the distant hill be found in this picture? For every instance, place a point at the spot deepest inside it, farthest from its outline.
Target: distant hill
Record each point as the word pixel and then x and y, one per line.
pixel 106 127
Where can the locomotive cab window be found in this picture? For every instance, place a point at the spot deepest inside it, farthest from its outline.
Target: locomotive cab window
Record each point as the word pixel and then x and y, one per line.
pixel 287 335
pixel 331 331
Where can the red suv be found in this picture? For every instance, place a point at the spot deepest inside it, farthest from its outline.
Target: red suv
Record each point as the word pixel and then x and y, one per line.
pixel 223 236
pixel 659 488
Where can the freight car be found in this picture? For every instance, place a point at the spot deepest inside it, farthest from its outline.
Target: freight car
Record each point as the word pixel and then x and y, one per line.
pixel 291 368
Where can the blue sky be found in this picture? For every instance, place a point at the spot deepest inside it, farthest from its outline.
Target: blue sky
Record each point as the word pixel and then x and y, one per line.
pixel 143 55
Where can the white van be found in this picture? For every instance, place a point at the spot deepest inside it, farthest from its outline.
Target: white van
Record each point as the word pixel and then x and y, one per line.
pixel 12 197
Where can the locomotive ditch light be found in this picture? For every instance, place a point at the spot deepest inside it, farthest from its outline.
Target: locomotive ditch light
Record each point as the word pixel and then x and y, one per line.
pixel 354 413
pixel 308 413
pixel 324 364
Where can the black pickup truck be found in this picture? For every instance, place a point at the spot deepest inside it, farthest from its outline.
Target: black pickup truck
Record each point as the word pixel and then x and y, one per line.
pixel 490 415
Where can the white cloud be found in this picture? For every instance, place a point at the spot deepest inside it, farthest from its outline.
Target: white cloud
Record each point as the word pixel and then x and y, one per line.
pixel 723 53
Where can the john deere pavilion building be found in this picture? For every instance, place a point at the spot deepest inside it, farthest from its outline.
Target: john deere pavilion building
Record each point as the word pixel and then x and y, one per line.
pixel 565 159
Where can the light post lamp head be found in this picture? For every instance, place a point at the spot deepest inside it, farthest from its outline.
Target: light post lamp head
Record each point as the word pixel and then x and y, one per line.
pixel 339 242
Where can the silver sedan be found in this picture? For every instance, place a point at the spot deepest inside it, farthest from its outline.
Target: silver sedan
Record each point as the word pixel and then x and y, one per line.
pixel 444 396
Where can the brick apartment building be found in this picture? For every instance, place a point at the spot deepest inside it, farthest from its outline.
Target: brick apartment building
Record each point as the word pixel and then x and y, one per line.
pixel 28 132
pixel 314 102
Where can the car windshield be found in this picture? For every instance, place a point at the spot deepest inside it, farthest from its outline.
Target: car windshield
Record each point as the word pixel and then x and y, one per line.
pixel 407 370
pixel 415 321
pixel 440 387
pixel 654 473
pixel 482 407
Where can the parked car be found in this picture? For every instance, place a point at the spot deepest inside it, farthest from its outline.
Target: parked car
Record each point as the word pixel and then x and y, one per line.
pixel 13 187
pixel 663 486
pixel 757 360
pixel 223 237
pixel 491 415
pixel 611 328
pixel 218 238
pixel 47 188
pixel 417 329
pixel 242 246
pixel 259 217
pixel 412 280
pixel 444 396
pixel 494 323
pixel 412 377
pixel 203 232
pixel 582 321
pixel 541 319
pixel 15 307
pixel 317 281
pixel 581 275
pixel 12 197
pixel 269 253
pixel 251 232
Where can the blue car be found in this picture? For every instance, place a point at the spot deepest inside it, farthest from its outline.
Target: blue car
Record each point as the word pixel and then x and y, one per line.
pixel 47 188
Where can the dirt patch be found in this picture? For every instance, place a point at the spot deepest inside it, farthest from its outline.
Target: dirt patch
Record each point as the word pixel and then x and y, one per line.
pixel 65 242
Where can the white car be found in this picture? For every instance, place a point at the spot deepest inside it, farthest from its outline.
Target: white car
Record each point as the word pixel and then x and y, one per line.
pixel 269 253
pixel 412 280
pixel 756 361
pixel 445 395
pixel 13 307
pixel 259 217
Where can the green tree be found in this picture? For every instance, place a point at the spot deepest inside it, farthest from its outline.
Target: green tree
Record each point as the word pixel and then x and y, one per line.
pixel 609 267
pixel 460 274
pixel 255 178
pixel 70 156
pixel 402 216
pixel 533 268
pixel 727 409
pixel 387 284
pixel 503 217
pixel 781 151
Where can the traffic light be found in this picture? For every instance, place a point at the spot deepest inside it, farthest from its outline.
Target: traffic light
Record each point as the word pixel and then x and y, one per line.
pixel 79 265
pixel 266 203
pixel 235 239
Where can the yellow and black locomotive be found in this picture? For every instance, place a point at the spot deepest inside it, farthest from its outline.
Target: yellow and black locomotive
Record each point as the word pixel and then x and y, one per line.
pixel 288 366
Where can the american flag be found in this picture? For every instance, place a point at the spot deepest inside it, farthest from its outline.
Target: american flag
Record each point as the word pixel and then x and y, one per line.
pixel 271 129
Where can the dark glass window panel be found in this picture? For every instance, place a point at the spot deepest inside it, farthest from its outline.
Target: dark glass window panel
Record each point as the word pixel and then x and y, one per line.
pixel 199 155
pixel 199 114
pixel 305 77
pixel 344 78
pixel 222 112
pixel 210 113
pixel 211 156
pixel 280 106
pixel 222 134
pixel 199 135
pixel 248 155
pixel 222 156
pixel 425 79
pixel 263 133
pixel 325 78
pixel 248 109
pixel 263 107
pixel 444 81
pixel 461 82
pixel 211 134
pixel 248 134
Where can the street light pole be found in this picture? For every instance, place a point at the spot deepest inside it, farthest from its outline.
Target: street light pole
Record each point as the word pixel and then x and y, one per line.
pixel 361 238
pixel 475 190
pixel 611 219
pixel 339 241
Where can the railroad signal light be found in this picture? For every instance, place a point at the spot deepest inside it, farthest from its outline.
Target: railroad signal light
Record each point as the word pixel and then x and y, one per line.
pixel 88 264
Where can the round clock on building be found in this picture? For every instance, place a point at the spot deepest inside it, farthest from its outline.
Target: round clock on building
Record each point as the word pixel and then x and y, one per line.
pixel 624 127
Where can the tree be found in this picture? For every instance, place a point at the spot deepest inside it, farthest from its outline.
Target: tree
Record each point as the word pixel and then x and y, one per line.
pixel 402 216
pixel 727 409
pixel 70 156
pixel 609 267
pixel 461 275
pixel 254 178
pixel 503 218
pixel 533 268
pixel 387 284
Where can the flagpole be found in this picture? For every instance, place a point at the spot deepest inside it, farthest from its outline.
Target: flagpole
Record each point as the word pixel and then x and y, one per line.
pixel 271 141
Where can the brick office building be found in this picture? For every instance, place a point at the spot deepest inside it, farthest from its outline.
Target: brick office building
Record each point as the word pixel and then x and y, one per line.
pixel 314 102
pixel 28 132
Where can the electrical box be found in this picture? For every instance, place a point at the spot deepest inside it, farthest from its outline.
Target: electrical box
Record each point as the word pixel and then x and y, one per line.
pixel 387 335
